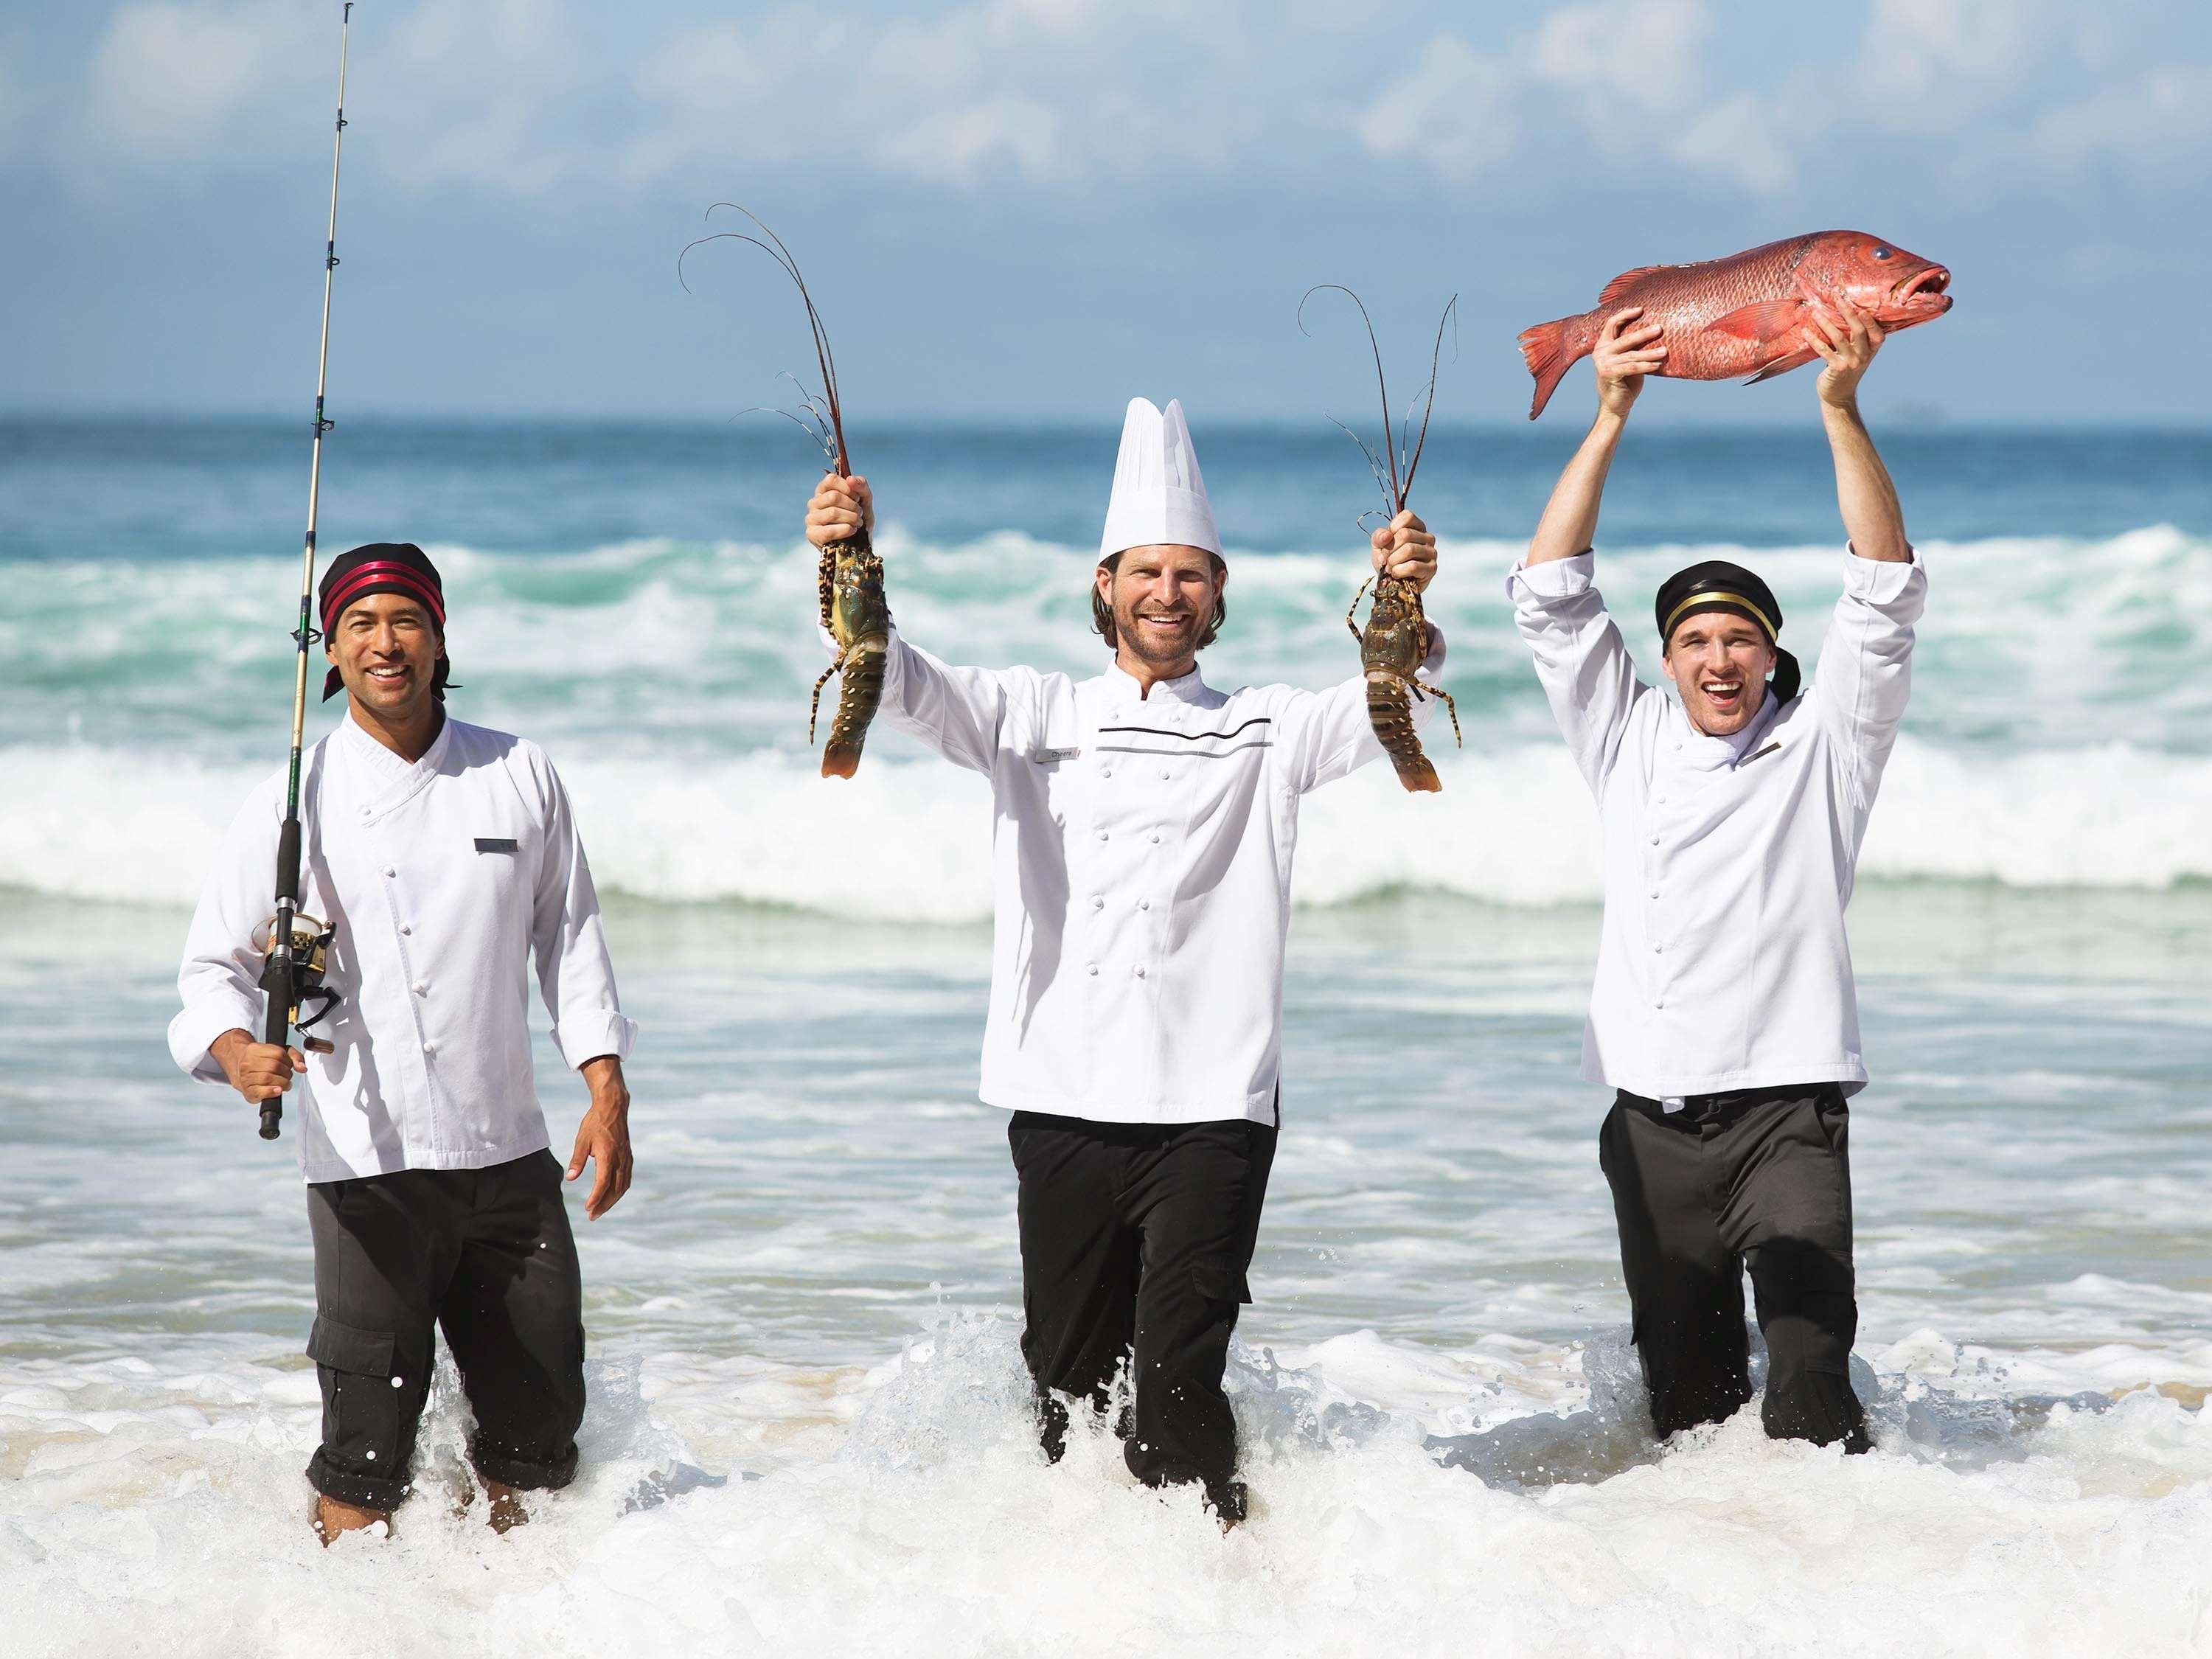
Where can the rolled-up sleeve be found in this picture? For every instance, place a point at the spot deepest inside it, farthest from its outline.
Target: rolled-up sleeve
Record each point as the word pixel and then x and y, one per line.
pixel 1330 733
pixel 1864 677
pixel 1581 661
pixel 219 979
pixel 575 973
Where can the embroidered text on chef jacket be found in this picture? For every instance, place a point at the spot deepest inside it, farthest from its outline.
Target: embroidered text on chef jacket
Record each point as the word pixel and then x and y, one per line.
pixel 443 879
pixel 1723 963
pixel 1141 862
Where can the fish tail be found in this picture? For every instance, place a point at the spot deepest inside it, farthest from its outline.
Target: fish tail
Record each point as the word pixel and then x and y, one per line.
pixel 1550 350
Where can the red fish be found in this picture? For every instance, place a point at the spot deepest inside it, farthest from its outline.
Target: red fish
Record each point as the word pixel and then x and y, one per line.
pixel 1742 315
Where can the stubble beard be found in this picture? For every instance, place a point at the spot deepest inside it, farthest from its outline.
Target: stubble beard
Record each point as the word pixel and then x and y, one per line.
pixel 1146 645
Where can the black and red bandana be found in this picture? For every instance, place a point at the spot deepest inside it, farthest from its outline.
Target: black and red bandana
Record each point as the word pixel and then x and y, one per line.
pixel 384 567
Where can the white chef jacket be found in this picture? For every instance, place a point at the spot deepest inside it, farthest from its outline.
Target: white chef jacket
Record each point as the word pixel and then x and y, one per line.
pixel 443 878
pixel 1141 868
pixel 1723 963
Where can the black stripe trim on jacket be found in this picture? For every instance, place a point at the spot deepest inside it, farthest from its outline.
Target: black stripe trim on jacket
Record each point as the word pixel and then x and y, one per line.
pixel 1190 736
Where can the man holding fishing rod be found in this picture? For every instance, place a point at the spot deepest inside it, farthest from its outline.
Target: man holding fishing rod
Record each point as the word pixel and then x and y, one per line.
pixel 446 864
pixel 1725 1013
pixel 1141 856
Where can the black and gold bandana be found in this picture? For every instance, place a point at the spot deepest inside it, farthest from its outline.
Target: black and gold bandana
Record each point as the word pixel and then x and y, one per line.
pixel 1716 585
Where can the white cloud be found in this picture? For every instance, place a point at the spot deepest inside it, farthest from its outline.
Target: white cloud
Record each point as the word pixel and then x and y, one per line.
pixel 1631 76
pixel 2156 127
pixel 1069 93
pixel 445 91
pixel 1934 65
pixel 477 90
pixel 1056 91
pixel 169 79
pixel 1454 109
pixel 1742 138
pixel 1624 57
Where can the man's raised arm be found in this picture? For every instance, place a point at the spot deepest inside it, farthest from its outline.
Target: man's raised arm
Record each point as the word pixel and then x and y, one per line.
pixel 1587 676
pixel 1865 673
pixel 1873 517
pixel 1623 357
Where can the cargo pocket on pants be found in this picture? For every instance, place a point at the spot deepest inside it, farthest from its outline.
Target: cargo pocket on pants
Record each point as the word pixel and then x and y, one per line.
pixel 361 1406
pixel 1218 1281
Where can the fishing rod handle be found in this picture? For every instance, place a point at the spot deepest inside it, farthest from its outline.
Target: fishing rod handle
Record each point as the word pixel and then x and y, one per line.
pixel 277 1030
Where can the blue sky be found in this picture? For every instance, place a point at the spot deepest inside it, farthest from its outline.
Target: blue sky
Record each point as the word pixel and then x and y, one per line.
pixel 1037 208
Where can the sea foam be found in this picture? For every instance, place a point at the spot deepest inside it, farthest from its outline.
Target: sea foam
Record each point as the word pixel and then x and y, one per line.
pixel 908 839
pixel 907 1510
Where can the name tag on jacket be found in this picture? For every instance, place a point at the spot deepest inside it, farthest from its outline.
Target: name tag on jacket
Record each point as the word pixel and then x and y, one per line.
pixel 496 844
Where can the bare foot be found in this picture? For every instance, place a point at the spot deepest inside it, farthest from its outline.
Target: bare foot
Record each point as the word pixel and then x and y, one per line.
pixel 506 1510
pixel 332 1517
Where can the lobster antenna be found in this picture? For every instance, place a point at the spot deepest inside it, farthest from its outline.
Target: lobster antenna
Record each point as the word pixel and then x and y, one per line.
pixel 824 358
pixel 1397 492
pixel 1374 461
pixel 1435 356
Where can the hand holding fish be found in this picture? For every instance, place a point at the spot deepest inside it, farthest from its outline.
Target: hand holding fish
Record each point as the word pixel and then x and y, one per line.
pixel 1625 352
pixel 1751 313
pixel 1846 344
pixel 841 509
pixel 1405 549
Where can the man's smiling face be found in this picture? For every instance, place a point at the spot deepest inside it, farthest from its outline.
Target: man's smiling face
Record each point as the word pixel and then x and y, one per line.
pixel 1162 599
pixel 1719 663
pixel 385 648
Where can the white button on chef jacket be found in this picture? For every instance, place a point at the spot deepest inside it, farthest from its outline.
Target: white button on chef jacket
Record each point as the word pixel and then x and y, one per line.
pixel 412 865
pixel 1723 963
pixel 1185 1026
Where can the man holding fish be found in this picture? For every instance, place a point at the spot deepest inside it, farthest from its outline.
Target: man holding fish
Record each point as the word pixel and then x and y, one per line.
pixel 1724 1013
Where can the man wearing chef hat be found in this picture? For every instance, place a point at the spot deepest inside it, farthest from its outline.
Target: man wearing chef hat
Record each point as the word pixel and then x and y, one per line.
pixel 1141 859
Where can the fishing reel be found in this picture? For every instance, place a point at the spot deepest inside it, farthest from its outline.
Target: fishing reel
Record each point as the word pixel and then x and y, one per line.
pixel 311 960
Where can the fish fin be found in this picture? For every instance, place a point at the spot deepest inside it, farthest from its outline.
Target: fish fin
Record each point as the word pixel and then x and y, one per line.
pixel 1614 288
pixel 1550 350
pixel 1770 321
pixel 1783 365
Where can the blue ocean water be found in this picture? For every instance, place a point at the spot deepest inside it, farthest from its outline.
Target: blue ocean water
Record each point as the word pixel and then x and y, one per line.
pixel 638 597
pixel 807 1430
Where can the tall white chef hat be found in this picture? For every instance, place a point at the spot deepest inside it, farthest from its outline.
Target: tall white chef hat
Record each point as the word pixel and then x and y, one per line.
pixel 1158 493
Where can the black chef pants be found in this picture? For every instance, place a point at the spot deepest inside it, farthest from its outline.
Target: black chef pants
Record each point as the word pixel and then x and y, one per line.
pixel 487 1256
pixel 1757 1179
pixel 1139 1237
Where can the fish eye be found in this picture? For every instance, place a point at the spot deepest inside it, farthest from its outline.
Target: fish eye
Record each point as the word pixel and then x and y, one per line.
pixel 1882 253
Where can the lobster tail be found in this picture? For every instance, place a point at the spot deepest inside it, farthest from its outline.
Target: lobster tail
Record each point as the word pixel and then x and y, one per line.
pixel 1390 712
pixel 859 690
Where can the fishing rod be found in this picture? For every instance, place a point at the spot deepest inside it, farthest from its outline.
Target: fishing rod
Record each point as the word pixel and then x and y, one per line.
pixel 298 944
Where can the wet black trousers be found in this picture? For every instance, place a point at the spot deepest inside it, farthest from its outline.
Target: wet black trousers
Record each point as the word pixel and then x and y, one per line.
pixel 1139 1237
pixel 1757 1179
pixel 485 1256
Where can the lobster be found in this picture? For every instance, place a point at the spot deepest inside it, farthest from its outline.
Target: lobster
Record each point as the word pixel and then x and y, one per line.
pixel 855 611
pixel 1396 642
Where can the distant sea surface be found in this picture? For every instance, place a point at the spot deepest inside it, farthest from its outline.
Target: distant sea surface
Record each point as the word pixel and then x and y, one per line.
pixel 807 1432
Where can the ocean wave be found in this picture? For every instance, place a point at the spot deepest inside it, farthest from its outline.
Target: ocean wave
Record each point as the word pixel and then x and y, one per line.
pixel 696 650
pixel 908 839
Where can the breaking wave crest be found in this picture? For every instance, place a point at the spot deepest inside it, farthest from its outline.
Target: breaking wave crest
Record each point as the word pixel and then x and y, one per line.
pixel 908 840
